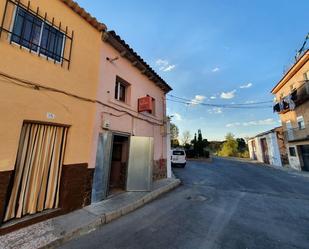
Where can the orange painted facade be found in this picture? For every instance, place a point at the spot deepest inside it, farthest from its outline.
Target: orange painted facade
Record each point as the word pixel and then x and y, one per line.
pixel 18 103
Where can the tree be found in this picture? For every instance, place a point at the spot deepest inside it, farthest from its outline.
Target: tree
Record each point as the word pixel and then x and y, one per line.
pixel 230 146
pixel 186 136
pixel 194 143
pixel 199 144
pixel 174 131
pixel 241 145
pixel 174 135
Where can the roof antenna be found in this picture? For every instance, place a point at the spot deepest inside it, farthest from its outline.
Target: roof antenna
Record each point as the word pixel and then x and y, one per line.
pixel 302 49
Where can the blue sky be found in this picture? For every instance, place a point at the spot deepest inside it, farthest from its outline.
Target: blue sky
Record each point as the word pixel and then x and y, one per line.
pixel 207 50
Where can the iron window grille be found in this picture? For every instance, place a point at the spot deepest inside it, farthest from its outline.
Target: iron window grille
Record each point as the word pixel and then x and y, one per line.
pixel 39 34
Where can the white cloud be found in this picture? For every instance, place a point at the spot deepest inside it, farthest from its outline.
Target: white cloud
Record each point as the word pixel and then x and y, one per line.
pixel 228 95
pixel 246 85
pixel 213 97
pixel 215 110
pixel 269 121
pixel 177 116
pixel 164 65
pixel 198 99
pixel 169 68
pixel 216 69
pixel 233 124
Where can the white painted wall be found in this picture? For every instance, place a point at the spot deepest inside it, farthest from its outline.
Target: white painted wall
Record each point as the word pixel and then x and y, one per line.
pixel 294 160
pixel 273 149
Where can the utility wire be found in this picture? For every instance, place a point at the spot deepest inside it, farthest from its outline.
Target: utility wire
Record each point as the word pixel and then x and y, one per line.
pixel 231 106
pixel 37 86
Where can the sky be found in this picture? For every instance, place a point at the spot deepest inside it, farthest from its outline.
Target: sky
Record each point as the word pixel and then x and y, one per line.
pixel 213 52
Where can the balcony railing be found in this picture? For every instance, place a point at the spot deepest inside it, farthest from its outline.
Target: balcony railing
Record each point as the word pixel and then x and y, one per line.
pixel 297 134
pixel 296 98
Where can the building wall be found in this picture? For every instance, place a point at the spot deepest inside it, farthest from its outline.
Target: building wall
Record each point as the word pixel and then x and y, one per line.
pixel 21 103
pixel 131 122
pixel 273 149
pixel 295 161
pixel 295 81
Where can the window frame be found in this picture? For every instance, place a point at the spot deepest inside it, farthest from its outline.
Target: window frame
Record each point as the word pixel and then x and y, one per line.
pixel 118 83
pixel 301 120
pixel 292 149
pixel 15 13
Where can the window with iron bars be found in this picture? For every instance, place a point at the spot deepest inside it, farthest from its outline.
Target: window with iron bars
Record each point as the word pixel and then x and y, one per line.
pixel 30 30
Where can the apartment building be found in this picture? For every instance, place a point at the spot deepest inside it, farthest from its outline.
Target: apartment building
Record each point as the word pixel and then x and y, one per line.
pixel 292 105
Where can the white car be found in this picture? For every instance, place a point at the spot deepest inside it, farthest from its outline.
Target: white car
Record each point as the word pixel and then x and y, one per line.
pixel 178 157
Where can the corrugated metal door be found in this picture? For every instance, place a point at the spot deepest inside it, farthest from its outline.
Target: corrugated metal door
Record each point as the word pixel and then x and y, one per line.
pixel 101 173
pixel 140 164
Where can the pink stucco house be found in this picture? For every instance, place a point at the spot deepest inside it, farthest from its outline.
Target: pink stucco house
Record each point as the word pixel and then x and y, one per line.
pixel 130 139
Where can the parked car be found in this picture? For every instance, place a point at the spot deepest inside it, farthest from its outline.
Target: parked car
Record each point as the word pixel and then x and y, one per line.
pixel 178 158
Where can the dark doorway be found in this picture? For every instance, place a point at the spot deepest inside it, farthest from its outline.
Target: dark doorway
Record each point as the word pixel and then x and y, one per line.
pixel 265 150
pixel 119 165
pixel 305 157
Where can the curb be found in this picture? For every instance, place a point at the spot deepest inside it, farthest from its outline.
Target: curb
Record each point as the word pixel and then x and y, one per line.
pixel 110 216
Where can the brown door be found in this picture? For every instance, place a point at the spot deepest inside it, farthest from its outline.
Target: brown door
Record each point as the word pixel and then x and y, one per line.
pixel 265 150
pixel 37 170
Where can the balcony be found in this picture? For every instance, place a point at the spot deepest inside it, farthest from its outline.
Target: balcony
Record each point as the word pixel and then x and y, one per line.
pixel 301 94
pixel 297 134
pixel 296 98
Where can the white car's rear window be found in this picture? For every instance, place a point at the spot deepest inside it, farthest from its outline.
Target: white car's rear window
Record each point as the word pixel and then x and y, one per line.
pixel 178 153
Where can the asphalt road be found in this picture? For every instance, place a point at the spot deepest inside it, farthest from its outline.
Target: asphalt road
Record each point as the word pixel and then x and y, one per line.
pixel 225 204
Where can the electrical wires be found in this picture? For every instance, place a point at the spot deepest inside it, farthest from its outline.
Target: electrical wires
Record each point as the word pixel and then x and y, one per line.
pixel 36 86
pixel 255 105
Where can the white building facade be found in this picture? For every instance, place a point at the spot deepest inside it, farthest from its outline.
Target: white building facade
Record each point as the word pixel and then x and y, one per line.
pixel 269 148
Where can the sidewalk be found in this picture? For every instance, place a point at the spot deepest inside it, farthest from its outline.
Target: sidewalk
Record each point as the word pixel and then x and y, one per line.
pixel 55 231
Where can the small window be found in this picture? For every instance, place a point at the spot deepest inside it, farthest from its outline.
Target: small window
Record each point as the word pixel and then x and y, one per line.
pixel 292 151
pixel 178 153
pixel 306 76
pixel 27 30
pixel 301 122
pixel 121 90
pixel 33 33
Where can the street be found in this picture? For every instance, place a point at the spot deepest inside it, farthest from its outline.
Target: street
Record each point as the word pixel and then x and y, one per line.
pixel 224 204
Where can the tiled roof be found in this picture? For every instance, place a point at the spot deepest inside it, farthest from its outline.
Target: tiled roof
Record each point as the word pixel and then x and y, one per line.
pixel 126 51
pixel 84 14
